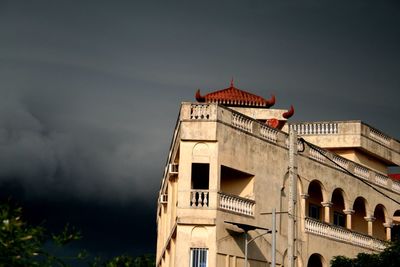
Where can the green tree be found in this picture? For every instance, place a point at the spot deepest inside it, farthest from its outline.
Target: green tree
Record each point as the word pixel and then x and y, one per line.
pixel 390 257
pixel 22 244
pixel 146 260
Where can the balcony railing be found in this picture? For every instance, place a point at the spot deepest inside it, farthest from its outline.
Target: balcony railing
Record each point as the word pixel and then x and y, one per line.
pixel 199 198
pixel 315 128
pixel 236 204
pixel 341 234
pixel 380 137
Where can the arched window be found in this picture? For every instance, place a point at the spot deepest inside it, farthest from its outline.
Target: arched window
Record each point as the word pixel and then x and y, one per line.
pixel 378 229
pixel 339 218
pixel 358 219
pixel 395 236
pixel 314 200
pixel 315 260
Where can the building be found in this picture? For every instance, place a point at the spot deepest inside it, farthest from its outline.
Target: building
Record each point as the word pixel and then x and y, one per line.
pixel 228 168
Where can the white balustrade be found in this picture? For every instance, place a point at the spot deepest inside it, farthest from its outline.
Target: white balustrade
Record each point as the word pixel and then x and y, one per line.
pixel 315 154
pixel 342 234
pixel 199 112
pixel 361 171
pixel 396 186
pixel 236 204
pixel 199 198
pixel 380 137
pixel 342 162
pixel 381 179
pixel 242 122
pixel 316 128
pixel 269 133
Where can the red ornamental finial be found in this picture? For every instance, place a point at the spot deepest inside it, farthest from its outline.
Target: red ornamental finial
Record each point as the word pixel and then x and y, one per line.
pixel 232 82
pixel 288 113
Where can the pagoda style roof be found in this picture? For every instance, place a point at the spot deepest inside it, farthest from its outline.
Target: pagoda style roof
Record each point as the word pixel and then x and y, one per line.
pixel 233 96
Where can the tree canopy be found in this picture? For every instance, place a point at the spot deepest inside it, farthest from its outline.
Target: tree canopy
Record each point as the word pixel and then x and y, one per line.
pixel 22 245
pixel 390 257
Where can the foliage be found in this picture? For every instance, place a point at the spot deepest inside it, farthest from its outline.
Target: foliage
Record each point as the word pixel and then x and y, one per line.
pixel 22 244
pixel 341 261
pixel 146 260
pixel 390 257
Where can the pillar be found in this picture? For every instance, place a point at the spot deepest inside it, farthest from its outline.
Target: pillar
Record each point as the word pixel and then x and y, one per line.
pixel 348 218
pixel 327 211
pixel 370 220
pixel 304 208
pixel 388 227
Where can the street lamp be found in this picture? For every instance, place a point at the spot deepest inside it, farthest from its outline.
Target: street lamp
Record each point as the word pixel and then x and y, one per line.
pixel 246 228
pixel 273 213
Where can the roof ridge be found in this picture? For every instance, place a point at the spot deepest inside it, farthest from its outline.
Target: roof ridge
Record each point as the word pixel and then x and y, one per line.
pixel 236 97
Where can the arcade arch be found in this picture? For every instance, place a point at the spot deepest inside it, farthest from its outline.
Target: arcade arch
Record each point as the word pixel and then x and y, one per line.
pixel 316 260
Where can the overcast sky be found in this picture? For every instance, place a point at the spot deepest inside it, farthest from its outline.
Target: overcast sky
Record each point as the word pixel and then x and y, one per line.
pixel 90 91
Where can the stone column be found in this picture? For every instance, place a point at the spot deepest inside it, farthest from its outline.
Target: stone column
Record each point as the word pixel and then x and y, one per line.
pixel 304 208
pixel 327 211
pixel 348 218
pixel 370 220
pixel 388 227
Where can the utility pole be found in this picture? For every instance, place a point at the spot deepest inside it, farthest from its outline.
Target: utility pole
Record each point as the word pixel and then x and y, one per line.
pixel 292 197
pixel 273 252
pixel 246 244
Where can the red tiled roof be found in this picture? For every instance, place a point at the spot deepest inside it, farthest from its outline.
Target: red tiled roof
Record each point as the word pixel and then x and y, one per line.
pixel 235 97
pixel 395 176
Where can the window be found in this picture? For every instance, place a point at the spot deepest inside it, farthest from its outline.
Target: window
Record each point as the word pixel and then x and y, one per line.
pixel 200 184
pixel 395 234
pixel 200 175
pixel 198 257
pixel 314 211
pixel 339 219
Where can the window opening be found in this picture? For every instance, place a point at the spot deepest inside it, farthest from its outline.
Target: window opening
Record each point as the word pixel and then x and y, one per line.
pixel 198 257
pixel 314 211
pixel 395 233
pixel 339 219
pixel 200 184
pixel 200 175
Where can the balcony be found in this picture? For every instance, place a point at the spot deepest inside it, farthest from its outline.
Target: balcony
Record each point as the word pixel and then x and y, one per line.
pixel 351 135
pixel 316 227
pixel 232 203
pixel 236 204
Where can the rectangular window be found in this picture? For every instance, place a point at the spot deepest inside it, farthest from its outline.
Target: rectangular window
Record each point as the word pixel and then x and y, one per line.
pixel 339 219
pixel 314 211
pixel 200 175
pixel 198 257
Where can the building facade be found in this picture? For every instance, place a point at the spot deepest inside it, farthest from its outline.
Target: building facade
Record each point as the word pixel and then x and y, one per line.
pixel 228 168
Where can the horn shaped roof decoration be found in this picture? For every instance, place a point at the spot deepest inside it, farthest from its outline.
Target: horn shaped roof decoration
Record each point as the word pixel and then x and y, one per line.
pixel 233 96
pixel 288 113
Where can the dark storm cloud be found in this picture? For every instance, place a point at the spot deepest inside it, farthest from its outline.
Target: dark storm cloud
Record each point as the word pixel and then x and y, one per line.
pixel 76 138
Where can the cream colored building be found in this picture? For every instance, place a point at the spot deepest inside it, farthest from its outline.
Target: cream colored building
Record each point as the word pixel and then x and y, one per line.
pixel 228 162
